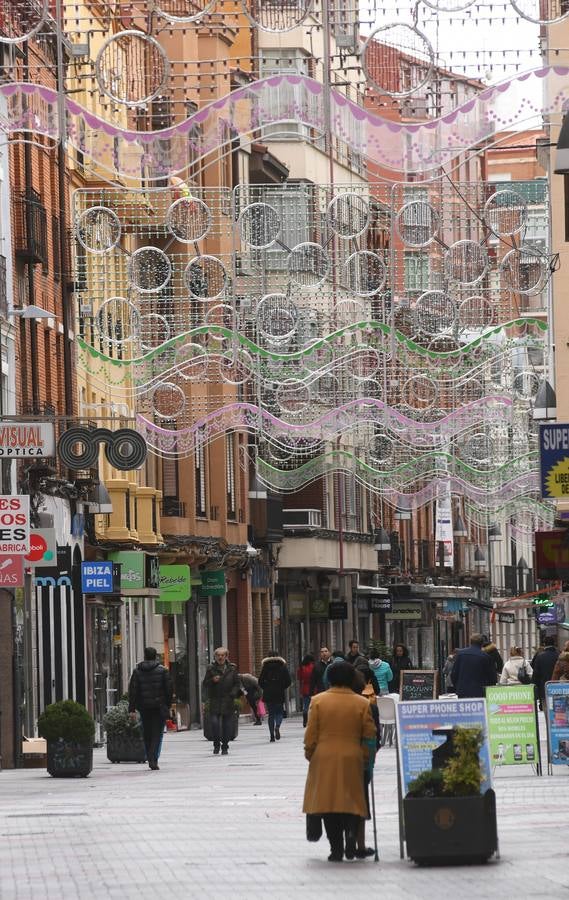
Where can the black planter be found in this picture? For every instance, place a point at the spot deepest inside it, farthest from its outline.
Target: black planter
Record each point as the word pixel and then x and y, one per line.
pixel 67 759
pixel 451 831
pixel 125 748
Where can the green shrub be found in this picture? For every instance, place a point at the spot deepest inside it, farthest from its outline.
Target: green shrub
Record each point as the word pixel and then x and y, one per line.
pixel 461 775
pixel 427 784
pixel 118 722
pixel 380 647
pixel 67 720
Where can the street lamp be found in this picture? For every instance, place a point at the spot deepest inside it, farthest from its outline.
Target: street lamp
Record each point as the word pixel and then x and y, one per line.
pixel 459 528
pixel 494 533
pixel 479 559
pixel 545 403
pixel 381 541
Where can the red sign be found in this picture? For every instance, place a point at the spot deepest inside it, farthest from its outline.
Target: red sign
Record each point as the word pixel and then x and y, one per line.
pixel 552 555
pixel 11 572
pixel 38 546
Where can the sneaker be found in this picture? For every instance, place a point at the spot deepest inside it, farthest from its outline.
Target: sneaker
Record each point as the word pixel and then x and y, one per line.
pixel 225 751
pixel 215 751
pixel 277 734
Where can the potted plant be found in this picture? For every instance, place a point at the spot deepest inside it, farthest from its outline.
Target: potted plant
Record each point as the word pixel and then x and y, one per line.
pixel 447 820
pixel 68 729
pixel 124 737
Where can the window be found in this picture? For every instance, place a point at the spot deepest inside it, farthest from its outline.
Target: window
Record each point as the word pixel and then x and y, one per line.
pixel 200 478
pixel 293 211
pixel 285 96
pixel 230 476
pixel 416 272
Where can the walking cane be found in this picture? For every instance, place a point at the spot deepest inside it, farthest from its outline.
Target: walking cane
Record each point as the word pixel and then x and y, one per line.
pixel 376 857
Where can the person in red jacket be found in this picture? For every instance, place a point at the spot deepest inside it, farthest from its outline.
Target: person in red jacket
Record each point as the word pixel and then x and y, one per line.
pixel 304 677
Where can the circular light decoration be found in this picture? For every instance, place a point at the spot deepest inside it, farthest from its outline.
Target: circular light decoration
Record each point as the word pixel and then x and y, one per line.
pixel 293 397
pixel 445 344
pixel 277 317
pixel 541 12
pixel 348 312
pixel 149 269
pixel 277 17
pixel 420 392
pixel 259 225
pixel 525 270
pixel 382 451
pixel 118 321
pixel 98 229
pixel 236 366
pixel 168 400
pixel 348 215
pixel 403 318
pixel 363 364
pixel 222 314
pixel 449 5
pixel 365 273
pixel 188 220
pixel 183 11
pixel 327 388
pixel 479 450
pixel 191 361
pixel 417 223
pixel 466 262
pixel 435 312
pixel 132 68
pixel 469 391
pixel 476 311
pixel 308 265
pixel 381 59
pixel 525 385
pixel 205 277
pixel 154 331
pixel 20 20
pixel 506 213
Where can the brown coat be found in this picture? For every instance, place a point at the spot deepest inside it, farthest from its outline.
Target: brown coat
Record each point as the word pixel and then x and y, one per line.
pixel 561 670
pixel 338 722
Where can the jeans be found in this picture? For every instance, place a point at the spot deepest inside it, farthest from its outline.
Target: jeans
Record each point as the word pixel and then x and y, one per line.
pixel 152 728
pixel 275 711
pixel 221 728
pixel 305 705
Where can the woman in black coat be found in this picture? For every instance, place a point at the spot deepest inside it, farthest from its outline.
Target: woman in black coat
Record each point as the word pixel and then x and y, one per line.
pixel 274 681
pixel 401 662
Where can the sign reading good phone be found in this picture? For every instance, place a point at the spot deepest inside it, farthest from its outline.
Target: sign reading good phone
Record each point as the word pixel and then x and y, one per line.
pixel 14 524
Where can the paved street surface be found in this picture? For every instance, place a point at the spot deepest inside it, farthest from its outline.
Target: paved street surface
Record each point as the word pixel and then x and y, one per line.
pixel 232 827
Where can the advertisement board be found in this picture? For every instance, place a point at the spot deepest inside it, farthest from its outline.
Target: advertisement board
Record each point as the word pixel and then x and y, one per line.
pixel 512 725
pixel 554 460
pixel 417 723
pixel 557 720
pixel 14 524
pixel 21 439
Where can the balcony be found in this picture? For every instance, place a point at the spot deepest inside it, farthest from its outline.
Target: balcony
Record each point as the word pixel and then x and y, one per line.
pixel 301 518
pixel 171 506
pixel 30 228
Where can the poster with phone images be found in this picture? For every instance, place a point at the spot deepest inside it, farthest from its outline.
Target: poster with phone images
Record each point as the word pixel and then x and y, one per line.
pixel 423 725
pixel 557 716
pixel 512 724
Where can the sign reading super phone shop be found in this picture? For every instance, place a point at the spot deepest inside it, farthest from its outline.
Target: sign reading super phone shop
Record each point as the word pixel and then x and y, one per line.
pixel 512 725
pixel 416 722
pixel 557 718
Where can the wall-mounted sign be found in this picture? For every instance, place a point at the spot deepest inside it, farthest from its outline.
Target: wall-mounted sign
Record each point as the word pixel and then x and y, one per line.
pixel 19 439
pixel 43 548
pixel 552 554
pixel 379 603
pixel 507 618
pixel 14 524
pixel 100 577
pixel 405 611
pixel 125 448
pixel 175 584
pixel 132 569
pixel 296 605
pixel 319 607
pixel 337 610
pixel 213 583
pixel 11 571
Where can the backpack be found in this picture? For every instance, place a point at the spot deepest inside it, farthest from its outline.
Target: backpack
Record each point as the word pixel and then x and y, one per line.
pixel 523 675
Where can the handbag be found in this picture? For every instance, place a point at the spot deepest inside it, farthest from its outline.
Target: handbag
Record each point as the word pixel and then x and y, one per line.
pixel 524 676
pixel 261 708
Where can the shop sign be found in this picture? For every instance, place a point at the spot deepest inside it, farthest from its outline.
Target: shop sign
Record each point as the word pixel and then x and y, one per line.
pixel 213 583
pixel 507 618
pixel 557 719
pixel 405 611
pixel 296 605
pixel 512 725
pixel 19 439
pixel 418 684
pixel 152 571
pixel 175 584
pixel 132 569
pixel 552 555
pixel 14 524
pixel 11 571
pixel 422 727
pixel 554 460
pixel 100 577
pixel 43 548
pixel 379 603
pixel 319 607
pixel 337 610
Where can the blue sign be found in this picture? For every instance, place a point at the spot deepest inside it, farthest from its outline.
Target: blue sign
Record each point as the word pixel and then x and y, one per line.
pixel 554 461
pixel 97 577
pixel 557 717
pixel 416 722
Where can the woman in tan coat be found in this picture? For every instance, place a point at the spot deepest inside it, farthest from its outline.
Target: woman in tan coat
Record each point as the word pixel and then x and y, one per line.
pixel 340 724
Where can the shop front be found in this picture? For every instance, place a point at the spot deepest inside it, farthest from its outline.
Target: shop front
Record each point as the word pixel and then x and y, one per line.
pixel 169 633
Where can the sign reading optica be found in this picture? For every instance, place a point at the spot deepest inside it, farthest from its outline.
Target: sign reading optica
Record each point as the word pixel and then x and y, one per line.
pixel 19 439
pixel 557 718
pixel 554 460
pixel 14 524
pixel 416 722
pixel 512 725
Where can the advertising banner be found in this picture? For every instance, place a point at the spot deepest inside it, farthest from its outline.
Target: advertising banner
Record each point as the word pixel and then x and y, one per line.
pixel 557 718
pixel 14 524
pixel 19 439
pixel 512 725
pixel 443 525
pixel 554 460
pixel 421 727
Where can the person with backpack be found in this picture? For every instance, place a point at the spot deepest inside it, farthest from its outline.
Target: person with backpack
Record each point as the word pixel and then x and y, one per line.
pixel 304 678
pixel 150 692
pixel 274 680
pixel 517 670
pixel 381 670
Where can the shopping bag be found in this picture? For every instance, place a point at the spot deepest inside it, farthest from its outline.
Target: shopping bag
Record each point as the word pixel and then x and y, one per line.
pixel 261 708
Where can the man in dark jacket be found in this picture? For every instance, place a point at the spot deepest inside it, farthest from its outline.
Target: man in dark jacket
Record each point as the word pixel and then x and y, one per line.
pixel 150 692
pixel 274 681
pixel 473 670
pixel 543 666
pixel 317 679
pixel 494 654
pixel 221 689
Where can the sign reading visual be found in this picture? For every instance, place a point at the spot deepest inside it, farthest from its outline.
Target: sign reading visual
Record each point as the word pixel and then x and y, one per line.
pixel 14 524
pixel 99 577
pixel 417 723
pixel 554 461
pixel 20 439
pixel 512 725
pixel 557 718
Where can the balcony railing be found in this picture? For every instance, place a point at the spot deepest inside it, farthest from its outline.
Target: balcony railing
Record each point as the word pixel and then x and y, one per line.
pixel 302 518
pixel 30 228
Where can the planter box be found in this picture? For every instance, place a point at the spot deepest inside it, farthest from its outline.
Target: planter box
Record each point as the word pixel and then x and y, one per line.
pixel 125 749
pixel 207 732
pixel 66 759
pixel 451 831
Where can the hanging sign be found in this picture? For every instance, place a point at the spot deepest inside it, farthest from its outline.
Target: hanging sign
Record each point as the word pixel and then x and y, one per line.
pixel 14 524
pixel 19 439
pixel 11 571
